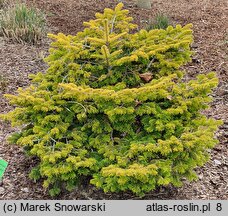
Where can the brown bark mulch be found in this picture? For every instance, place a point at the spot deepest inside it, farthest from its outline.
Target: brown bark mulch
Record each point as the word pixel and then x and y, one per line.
pixel 209 19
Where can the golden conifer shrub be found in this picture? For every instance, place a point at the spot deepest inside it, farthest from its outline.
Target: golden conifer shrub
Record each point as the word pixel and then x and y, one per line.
pixel 113 107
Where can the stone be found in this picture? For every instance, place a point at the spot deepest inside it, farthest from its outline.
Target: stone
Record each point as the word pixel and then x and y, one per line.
pixel 217 162
pixel 145 4
pixel 26 190
pixel 200 176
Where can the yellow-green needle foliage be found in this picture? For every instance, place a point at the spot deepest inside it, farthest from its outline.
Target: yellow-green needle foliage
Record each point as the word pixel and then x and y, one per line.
pixel 112 106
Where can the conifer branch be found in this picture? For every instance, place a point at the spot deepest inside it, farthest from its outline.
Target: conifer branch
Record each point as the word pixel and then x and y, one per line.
pixel 53 146
pixel 68 109
pixel 106 55
pixel 150 63
pixel 113 21
pixel 78 104
pixel 64 78
pixel 106 32
pixel 111 135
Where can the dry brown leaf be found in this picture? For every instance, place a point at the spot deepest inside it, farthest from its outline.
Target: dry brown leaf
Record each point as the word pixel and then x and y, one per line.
pixel 147 77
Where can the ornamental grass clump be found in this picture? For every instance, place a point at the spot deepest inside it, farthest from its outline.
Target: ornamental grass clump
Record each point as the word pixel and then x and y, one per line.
pixel 160 21
pixel 22 24
pixel 113 107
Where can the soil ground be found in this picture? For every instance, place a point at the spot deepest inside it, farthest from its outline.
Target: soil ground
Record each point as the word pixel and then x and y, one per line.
pixel 209 18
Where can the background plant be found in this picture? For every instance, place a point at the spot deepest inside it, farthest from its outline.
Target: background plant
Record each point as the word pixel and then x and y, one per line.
pixel 3 83
pixel 144 3
pixel 160 21
pixel 21 23
pixel 113 107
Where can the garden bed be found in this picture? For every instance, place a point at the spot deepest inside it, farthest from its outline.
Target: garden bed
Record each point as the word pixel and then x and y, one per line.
pixel 210 46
